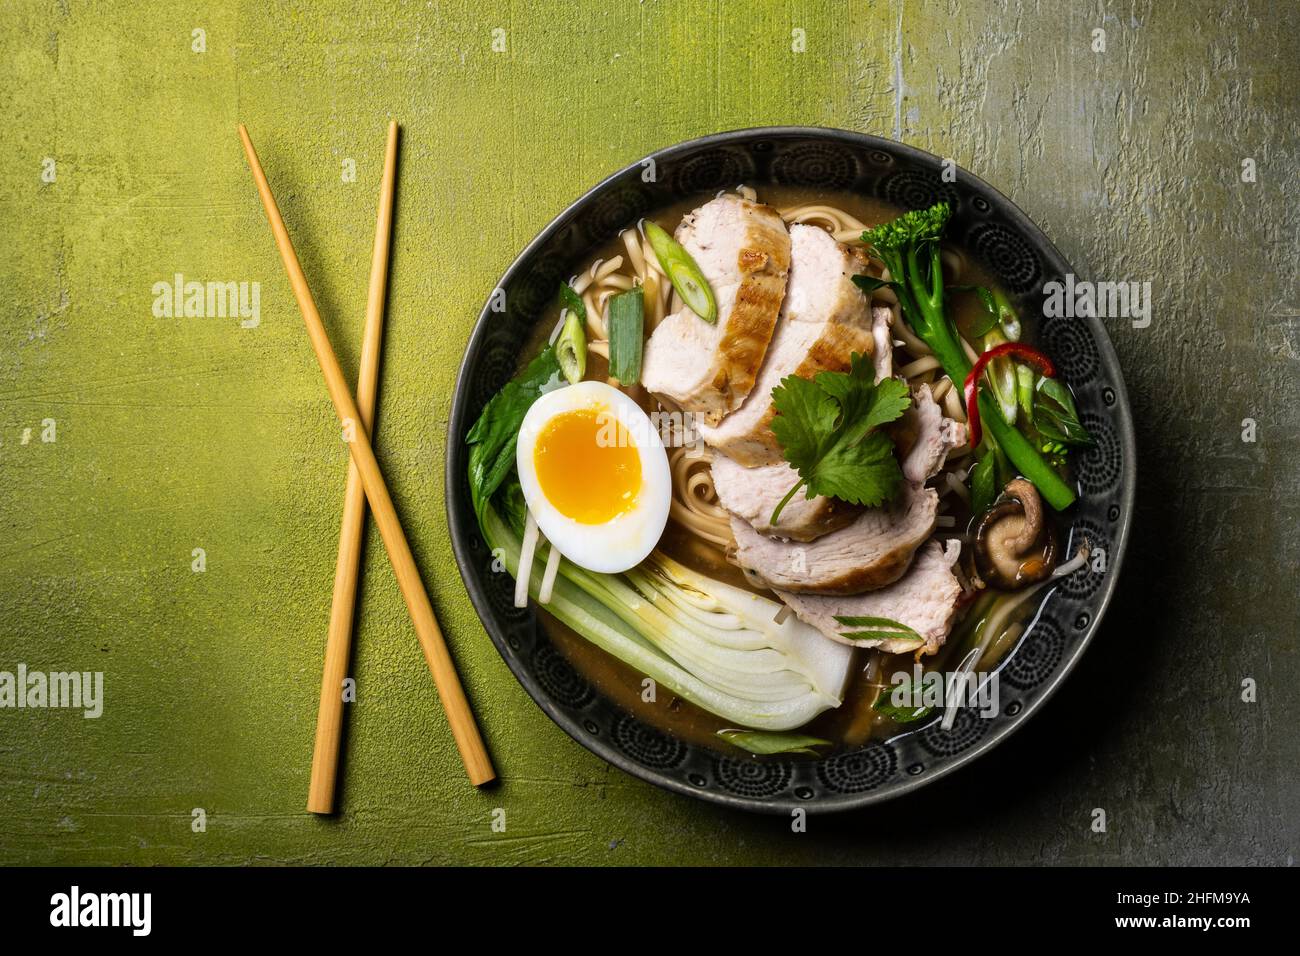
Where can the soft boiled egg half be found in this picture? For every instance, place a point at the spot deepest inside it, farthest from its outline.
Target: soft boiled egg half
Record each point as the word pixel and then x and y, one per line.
pixel 595 475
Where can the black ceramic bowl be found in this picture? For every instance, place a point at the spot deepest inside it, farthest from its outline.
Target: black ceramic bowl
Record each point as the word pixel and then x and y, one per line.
pixel 1013 249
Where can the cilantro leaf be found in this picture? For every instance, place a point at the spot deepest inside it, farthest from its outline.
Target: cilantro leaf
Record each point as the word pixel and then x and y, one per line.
pixel 828 430
pixel 862 401
pixel 805 417
pixel 863 474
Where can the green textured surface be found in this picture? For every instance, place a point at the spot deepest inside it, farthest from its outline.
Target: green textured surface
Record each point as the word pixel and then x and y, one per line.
pixel 175 434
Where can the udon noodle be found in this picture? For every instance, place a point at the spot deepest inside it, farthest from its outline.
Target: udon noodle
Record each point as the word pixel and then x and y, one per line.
pixel 695 505
pixel 695 502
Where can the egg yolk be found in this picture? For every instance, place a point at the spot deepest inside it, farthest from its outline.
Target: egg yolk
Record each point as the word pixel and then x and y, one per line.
pixel 587 466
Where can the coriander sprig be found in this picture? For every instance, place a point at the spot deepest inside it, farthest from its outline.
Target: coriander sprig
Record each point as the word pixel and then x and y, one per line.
pixel 828 428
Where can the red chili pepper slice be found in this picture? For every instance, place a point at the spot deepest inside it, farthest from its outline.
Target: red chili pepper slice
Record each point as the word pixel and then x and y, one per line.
pixel 970 390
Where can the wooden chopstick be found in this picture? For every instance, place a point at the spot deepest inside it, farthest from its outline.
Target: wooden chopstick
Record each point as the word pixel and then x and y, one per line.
pixel 473 753
pixel 338 643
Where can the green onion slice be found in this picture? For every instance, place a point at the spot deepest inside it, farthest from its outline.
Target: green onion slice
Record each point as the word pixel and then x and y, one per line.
pixel 683 273
pixel 905 714
pixel 878 629
pixel 571 343
pixel 571 348
pixel 626 335
pixel 772 742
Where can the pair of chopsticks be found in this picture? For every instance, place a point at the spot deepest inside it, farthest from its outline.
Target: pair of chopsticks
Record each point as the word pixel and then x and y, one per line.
pixel 366 483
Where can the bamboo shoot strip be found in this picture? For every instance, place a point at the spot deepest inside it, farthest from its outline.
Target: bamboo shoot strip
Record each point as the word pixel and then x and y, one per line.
pixel 459 716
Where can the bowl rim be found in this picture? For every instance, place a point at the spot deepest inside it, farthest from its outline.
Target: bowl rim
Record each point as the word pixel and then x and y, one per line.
pixel 455 464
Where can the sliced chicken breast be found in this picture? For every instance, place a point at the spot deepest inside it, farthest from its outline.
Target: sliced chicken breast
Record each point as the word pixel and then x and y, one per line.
pixel 925 599
pixel 824 319
pixel 743 249
pixel 882 321
pixel 753 494
pixel 872 552
pixel 927 435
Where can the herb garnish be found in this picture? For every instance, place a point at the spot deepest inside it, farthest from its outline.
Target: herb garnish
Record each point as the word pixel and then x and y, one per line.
pixel 766 742
pixel 828 430
pixel 878 629
pixel 904 714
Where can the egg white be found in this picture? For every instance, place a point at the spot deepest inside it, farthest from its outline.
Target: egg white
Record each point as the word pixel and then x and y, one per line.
pixel 625 540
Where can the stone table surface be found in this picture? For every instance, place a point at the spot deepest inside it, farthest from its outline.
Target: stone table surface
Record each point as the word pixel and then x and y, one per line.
pixel 127 441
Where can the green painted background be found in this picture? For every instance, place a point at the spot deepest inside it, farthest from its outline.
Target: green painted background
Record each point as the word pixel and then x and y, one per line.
pixel 175 434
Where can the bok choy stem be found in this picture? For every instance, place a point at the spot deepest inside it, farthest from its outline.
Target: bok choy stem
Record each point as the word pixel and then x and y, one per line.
pixel 768 691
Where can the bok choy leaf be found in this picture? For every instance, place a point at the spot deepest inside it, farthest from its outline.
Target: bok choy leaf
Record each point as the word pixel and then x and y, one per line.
pixel 493 437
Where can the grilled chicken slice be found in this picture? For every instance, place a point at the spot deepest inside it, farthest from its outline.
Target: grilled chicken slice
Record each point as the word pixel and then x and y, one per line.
pixel 882 320
pixel 925 599
pixel 872 552
pixel 824 319
pixel 753 493
pixel 925 436
pixel 743 249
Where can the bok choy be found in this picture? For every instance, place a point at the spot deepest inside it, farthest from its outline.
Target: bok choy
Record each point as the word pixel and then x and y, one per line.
pixel 714 645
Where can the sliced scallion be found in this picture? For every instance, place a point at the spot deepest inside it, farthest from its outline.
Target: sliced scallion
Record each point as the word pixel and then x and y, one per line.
pixel 878 629
pixel 626 335
pixel 1002 376
pixel 683 273
pixel 1007 316
pixel 571 347
pixel 983 484
pixel 766 742
pixel 1025 390
pixel 906 713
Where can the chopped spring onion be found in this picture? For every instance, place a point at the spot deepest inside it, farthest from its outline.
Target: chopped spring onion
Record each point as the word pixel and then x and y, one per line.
pixel 626 335
pixel 1025 391
pixel 758 742
pixel 683 273
pixel 571 346
pixel 986 322
pixel 983 483
pixel 1007 316
pixel 1002 376
pixel 548 578
pixel 879 629
pixel 531 533
pixel 1026 353
pixel 900 713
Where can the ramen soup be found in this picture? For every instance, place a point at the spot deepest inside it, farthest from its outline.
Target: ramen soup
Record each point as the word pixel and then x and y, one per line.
pixel 787 472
